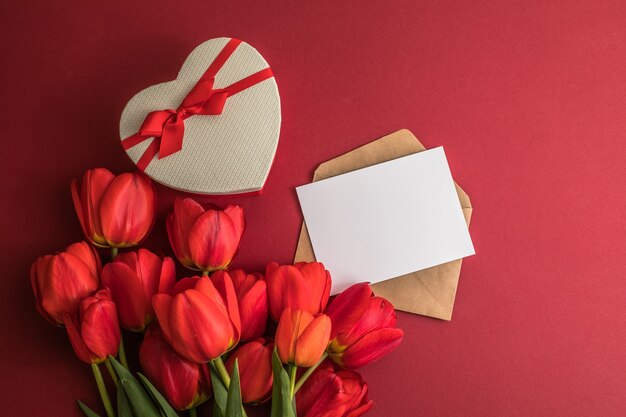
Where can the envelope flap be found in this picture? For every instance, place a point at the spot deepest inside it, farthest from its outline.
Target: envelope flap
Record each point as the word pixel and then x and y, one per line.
pixel 395 145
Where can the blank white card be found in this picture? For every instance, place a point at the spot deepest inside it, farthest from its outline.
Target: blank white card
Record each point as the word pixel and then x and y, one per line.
pixel 386 220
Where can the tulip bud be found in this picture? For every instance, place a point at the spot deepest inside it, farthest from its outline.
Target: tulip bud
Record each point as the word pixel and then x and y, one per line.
pixel 94 332
pixel 197 321
pixel 114 212
pixel 204 240
pixel 133 278
pixel 61 281
pixel 185 384
pixel 255 370
pixel 329 393
pixel 251 299
pixel 303 286
pixel 302 338
pixel 364 327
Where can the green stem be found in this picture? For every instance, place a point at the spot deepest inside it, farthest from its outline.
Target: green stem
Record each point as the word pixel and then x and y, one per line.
pixel 292 379
pixel 103 390
pixel 308 373
pixel 221 369
pixel 113 253
pixel 111 371
pixel 122 353
pixel 205 273
pixel 193 412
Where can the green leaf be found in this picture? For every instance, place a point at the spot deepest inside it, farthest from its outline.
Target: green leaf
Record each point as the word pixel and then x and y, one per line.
pixel 158 397
pixel 282 404
pixel 123 406
pixel 139 399
pixel 86 410
pixel 233 401
pixel 219 392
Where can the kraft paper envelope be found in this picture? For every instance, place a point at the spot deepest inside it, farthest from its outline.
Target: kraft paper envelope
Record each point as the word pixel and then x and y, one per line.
pixel 429 292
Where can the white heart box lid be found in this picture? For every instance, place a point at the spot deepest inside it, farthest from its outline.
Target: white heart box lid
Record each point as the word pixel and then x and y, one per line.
pixel 229 153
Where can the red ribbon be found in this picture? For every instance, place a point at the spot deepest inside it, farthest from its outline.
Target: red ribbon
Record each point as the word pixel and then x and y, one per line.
pixel 167 127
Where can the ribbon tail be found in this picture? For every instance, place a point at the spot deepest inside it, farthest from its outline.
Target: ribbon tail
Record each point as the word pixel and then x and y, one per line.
pixel 148 155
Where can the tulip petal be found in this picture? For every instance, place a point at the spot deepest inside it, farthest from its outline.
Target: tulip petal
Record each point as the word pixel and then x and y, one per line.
pixel 99 329
pixel 286 336
pixel 224 286
pixel 174 376
pixel 318 281
pixel 313 341
pixel 149 271
pixel 80 348
pixel 286 288
pixel 253 310
pixel 162 305
pixel 370 348
pixel 236 215
pixel 38 272
pixel 184 284
pixel 271 268
pixel 69 280
pixel 133 304
pixel 319 396
pixel 127 210
pixel 200 330
pixel 213 240
pixel 88 255
pixel 87 202
pixel 348 308
pixel 179 224
pixel 361 409
pixel 380 314
pixel 167 278
pixel 255 370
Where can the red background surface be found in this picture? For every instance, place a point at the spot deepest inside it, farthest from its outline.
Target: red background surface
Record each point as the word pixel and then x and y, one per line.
pixel 528 99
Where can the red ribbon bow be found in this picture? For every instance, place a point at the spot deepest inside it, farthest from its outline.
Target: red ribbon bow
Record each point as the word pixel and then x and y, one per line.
pixel 167 127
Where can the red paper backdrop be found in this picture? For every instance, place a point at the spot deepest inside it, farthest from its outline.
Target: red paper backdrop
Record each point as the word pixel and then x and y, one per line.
pixel 528 99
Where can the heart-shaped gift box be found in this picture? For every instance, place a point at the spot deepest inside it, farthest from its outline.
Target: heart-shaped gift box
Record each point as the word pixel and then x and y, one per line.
pixel 214 129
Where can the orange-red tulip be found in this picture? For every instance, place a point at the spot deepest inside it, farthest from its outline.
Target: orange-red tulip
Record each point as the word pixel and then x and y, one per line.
pixel 185 384
pixel 61 281
pixel 303 286
pixel 197 321
pixel 329 393
pixel 204 240
pixel 302 338
pixel 114 212
pixel 94 332
pixel 364 327
pixel 255 369
pixel 251 298
pixel 133 279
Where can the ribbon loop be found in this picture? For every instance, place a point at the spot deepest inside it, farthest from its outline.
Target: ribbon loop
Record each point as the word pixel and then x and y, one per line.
pixel 167 127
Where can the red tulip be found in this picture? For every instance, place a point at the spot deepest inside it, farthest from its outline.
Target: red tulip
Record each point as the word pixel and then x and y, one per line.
pixel 255 369
pixel 303 286
pixel 204 240
pixel 61 281
pixel 302 338
pixel 197 320
pixel 364 327
pixel 114 212
pixel 251 299
pixel 329 393
pixel 133 279
pixel 94 332
pixel 185 384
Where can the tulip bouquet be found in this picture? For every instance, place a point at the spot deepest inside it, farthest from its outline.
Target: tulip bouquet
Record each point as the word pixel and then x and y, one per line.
pixel 227 335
